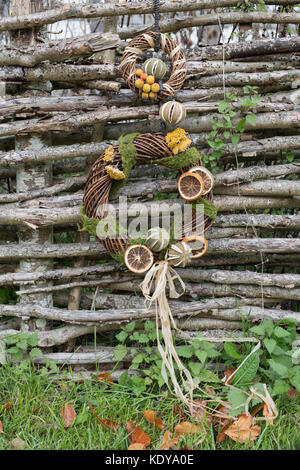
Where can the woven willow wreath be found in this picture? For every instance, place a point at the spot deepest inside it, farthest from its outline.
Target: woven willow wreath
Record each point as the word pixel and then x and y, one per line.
pixel 103 181
pixel 147 41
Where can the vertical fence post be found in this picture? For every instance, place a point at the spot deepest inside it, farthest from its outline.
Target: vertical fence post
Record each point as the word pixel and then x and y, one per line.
pixel 31 177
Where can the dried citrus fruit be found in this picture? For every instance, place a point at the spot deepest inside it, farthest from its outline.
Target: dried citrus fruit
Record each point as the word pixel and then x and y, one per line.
pixel 199 245
pixel 190 186
pixel 138 258
pixel 206 176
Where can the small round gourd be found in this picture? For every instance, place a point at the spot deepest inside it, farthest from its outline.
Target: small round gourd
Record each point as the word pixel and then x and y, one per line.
pixel 179 255
pixel 157 239
pixel 155 67
pixel 172 112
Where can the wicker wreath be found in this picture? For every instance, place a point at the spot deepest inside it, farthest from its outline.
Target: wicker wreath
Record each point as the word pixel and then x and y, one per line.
pixel 149 148
pixel 147 41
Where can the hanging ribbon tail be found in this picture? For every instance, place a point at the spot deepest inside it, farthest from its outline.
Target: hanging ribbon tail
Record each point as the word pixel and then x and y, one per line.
pixel 158 278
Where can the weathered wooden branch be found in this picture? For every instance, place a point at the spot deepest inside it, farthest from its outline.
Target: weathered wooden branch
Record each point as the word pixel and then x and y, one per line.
pixel 262 188
pixel 51 153
pixel 84 10
pixel 288 281
pixel 260 47
pixel 224 308
pixel 173 25
pixel 30 107
pixel 281 120
pixel 69 121
pixel 84 74
pixel 245 175
pixel 65 209
pixel 258 79
pixel 58 51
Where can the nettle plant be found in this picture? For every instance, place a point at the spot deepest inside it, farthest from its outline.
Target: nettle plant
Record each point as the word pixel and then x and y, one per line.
pixel 21 349
pixel 275 363
pixel 280 363
pixel 147 360
pixel 228 128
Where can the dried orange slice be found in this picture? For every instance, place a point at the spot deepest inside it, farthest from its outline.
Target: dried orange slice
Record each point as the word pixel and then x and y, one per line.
pixel 200 245
pixel 138 258
pixel 206 176
pixel 190 186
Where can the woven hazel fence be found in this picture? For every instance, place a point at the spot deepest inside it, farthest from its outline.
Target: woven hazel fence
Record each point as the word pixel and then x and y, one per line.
pixel 64 100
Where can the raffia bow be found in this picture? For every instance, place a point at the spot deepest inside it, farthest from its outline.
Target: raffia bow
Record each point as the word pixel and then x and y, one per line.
pixel 162 274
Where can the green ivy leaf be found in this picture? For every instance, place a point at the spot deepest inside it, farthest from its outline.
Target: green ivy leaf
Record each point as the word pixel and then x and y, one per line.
pixel 235 139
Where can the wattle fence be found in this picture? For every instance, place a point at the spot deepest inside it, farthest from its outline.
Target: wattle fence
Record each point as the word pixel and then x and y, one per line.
pixel 63 100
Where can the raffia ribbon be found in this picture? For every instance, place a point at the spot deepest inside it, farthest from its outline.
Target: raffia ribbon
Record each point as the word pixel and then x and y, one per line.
pixel 162 274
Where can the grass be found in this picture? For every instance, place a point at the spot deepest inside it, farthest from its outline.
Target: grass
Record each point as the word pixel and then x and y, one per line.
pixel 35 416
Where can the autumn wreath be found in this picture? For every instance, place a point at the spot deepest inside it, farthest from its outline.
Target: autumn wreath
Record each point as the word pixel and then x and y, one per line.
pixel 156 253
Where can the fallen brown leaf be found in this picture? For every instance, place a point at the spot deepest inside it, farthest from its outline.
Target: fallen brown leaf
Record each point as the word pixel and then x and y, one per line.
pixel 186 428
pixel 137 446
pixel 7 405
pixel 292 393
pixel 139 435
pixel 105 377
pixel 109 424
pixel 242 429
pixel 68 414
pixel 198 411
pixel 1 428
pixel 168 442
pixel 130 427
pixel 269 415
pixel 228 372
pixel 178 411
pixel 152 418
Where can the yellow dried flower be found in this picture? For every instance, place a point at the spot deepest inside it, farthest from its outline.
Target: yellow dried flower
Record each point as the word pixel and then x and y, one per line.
pixel 114 172
pixel 109 154
pixel 177 141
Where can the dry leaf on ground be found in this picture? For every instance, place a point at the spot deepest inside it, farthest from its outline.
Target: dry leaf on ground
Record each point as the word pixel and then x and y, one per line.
pixel 199 412
pixel 228 372
pixel 152 418
pixel 1 428
pixel 268 414
pixel 7 405
pixel 186 428
pixel 137 446
pixel 292 393
pixel 178 411
pixel 130 427
pixel 139 435
pixel 168 442
pixel 68 414
pixel 242 429
pixel 105 377
pixel 107 423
